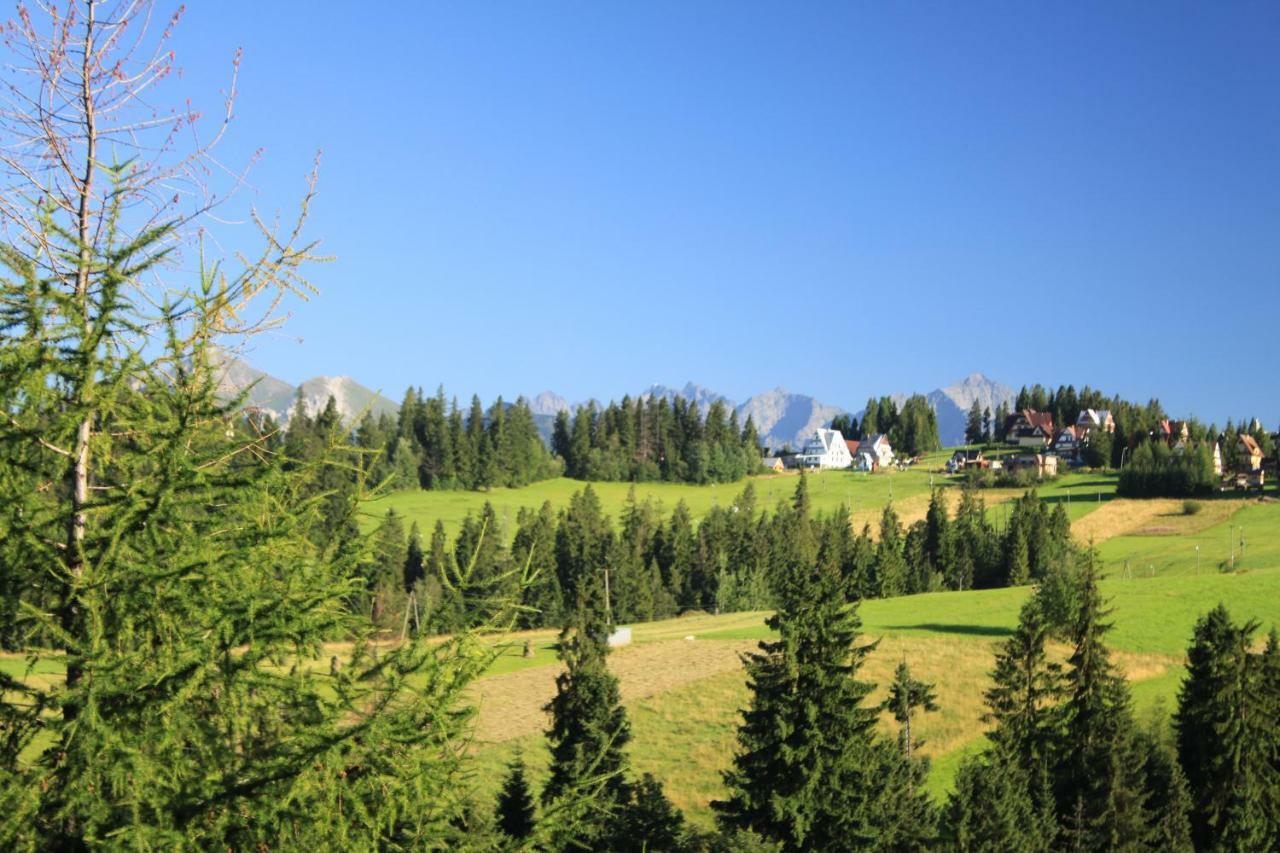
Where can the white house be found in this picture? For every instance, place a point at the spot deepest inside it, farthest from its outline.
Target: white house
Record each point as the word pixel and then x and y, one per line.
pixel 1095 420
pixel 878 447
pixel 827 449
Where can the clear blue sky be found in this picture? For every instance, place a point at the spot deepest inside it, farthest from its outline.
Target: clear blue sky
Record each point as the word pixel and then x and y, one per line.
pixel 845 199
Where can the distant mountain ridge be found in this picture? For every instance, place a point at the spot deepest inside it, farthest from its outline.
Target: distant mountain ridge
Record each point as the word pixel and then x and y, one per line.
pixel 781 417
pixel 952 404
pixel 275 396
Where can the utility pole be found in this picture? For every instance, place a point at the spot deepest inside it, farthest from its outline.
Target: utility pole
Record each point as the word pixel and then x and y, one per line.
pixel 608 609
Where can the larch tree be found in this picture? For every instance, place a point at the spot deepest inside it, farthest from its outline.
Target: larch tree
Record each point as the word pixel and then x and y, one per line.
pixel 188 602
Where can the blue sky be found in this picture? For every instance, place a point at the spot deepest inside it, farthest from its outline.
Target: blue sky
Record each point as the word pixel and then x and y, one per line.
pixel 842 199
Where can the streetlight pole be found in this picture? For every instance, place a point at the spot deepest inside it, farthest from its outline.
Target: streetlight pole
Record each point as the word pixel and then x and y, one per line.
pixel 1197 561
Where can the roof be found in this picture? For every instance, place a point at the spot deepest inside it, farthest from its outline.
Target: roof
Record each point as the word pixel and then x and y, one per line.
pixel 1037 420
pixel 1094 417
pixel 872 440
pixel 1250 443
pixel 827 438
pixel 853 446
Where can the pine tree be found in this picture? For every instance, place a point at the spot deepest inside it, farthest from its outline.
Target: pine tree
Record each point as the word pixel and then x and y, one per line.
pixel 993 810
pixel 589 731
pixel 1023 697
pixel 1100 785
pixel 833 785
pixel 385 588
pixel 906 694
pixel 973 427
pixel 1225 726
pixel 515 809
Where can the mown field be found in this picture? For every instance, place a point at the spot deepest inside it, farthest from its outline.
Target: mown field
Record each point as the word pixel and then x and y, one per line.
pixel 682 680
pixel 683 684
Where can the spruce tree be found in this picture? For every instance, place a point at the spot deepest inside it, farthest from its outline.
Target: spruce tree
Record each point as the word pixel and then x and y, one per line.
pixel 993 810
pixel 1100 784
pixel 514 813
pixel 810 771
pixel 973 428
pixel 1022 700
pixel 1225 727
pixel 906 694
pixel 589 730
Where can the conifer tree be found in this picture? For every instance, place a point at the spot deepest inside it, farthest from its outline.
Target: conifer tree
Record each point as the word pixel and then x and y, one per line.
pixel 833 785
pixel 589 730
pixel 385 589
pixel 992 808
pixel 195 579
pixel 1022 700
pixel 891 567
pixel 534 546
pixel 1225 725
pixel 515 809
pixel 906 694
pixel 973 429
pixel 1100 784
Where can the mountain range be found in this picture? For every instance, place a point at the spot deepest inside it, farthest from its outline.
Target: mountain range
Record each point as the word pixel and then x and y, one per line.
pixel 275 396
pixel 781 417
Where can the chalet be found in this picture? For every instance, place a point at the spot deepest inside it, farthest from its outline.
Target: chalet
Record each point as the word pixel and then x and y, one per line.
pixel 1068 441
pixel 1250 453
pixel 1095 420
pixel 773 463
pixel 1217 458
pixel 962 459
pixel 878 447
pixel 1173 433
pixel 1029 428
pixel 1043 464
pixel 826 449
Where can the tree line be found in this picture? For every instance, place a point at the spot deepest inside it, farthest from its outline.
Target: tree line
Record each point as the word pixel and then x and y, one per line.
pixel 912 429
pixel 660 565
pixel 651 438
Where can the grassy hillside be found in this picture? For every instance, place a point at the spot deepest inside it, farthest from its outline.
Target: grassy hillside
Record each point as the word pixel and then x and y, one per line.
pixel 864 494
pixel 683 695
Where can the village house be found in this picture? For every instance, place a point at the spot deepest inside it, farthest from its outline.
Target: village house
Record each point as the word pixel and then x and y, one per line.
pixel 1067 443
pixel 1029 428
pixel 1174 433
pixel 1250 453
pixel 874 452
pixel 773 463
pixel 1043 464
pixel 963 459
pixel 826 449
pixel 1094 420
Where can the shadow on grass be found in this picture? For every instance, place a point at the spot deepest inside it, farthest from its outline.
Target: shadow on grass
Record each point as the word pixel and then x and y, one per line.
pixel 940 628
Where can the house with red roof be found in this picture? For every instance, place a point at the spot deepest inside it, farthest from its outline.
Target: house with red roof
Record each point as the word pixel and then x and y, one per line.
pixel 1029 428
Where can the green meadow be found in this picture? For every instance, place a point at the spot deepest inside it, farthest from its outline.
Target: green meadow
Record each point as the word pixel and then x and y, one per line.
pixel 861 494
pixel 682 680
pixel 684 732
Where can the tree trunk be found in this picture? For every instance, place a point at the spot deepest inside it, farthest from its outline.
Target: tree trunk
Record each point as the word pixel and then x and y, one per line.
pixel 82 395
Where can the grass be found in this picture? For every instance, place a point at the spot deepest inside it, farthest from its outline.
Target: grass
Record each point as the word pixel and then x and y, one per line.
pixel 685 734
pixel 683 695
pixel 863 495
